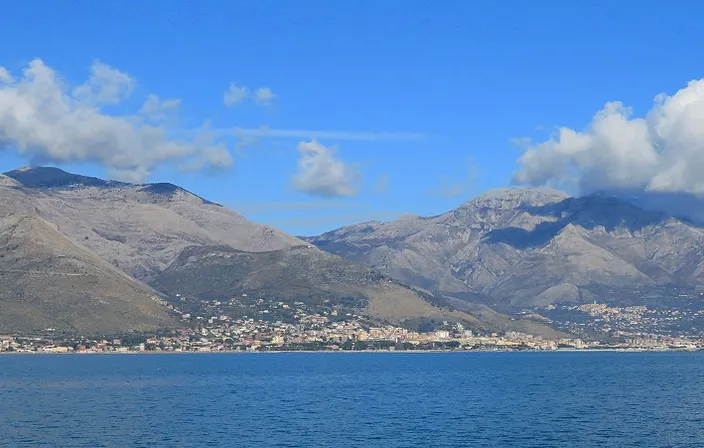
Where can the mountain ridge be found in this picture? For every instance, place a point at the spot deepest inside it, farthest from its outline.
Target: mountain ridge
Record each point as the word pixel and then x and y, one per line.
pixel 483 263
pixel 524 247
pixel 139 227
pixel 161 234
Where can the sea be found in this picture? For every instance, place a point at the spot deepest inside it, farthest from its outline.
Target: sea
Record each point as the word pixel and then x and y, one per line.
pixel 497 400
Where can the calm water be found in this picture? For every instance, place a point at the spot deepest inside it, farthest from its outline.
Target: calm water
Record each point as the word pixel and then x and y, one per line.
pixel 349 400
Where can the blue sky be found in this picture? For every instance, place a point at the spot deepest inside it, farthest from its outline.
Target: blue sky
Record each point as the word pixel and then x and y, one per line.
pixel 412 106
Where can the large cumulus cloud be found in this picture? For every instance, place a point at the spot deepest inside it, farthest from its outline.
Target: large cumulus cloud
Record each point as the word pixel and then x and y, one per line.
pixel 659 154
pixel 48 120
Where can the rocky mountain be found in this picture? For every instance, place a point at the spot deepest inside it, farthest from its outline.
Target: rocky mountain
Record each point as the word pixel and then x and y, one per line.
pixel 516 248
pixel 138 228
pixel 75 250
pixel 96 242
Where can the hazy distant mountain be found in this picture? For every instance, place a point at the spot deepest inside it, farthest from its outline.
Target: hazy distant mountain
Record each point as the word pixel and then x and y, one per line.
pixel 522 247
pixel 120 233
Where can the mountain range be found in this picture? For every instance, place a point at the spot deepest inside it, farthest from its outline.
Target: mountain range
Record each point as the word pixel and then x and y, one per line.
pixel 517 248
pixel 83 254
pixel 82 236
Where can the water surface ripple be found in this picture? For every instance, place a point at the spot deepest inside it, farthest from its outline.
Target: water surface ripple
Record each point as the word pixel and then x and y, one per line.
pixel 353 400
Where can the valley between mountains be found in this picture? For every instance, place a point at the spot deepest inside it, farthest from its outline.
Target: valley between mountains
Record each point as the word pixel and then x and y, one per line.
pixel 84 255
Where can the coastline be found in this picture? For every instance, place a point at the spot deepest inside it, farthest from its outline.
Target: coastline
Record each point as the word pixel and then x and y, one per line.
pixel 265 352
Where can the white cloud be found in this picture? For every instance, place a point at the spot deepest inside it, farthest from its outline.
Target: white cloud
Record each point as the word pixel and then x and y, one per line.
pixel 45 119
pixel 208 155
pixel 156 109
pixel 214 157
pixel 662 152
pixel 5 76
pixel 264 96
pixel 321 174
pixel 106 85
pixel 235 95
pixel 267 132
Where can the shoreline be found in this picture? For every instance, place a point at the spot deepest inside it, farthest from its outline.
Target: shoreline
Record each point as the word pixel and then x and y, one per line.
pixel 241 352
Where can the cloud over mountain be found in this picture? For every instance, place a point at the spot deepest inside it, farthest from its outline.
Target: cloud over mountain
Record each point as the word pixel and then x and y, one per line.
pixel 660 153
pixel 45 118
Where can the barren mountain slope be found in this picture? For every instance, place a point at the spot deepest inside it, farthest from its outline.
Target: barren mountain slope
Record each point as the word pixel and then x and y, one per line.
pixel 139 228
pixel 50 282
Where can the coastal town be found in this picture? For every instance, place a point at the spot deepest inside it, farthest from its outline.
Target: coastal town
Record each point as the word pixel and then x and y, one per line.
pixel 335 331
pixel 600 320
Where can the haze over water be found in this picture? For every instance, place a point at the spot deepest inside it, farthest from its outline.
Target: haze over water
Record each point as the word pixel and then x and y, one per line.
pixel 353 399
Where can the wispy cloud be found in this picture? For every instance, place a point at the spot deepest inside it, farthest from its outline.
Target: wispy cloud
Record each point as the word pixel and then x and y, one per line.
pixel 312 217
pixel 336 219
pixel 268 207
pixel 521 142
pixel 267 132
pixel 449 188
pixel 5 76
pixel 264 96
pixel 156 109
pixel 236 94
pixel 382 184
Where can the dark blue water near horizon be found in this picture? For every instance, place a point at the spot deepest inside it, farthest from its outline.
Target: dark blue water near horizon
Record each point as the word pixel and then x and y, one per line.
pixel 353 400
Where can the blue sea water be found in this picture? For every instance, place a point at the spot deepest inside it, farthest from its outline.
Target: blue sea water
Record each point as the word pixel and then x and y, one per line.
pixel 353 400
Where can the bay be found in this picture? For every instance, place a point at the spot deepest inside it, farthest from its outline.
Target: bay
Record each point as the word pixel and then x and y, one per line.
pixel 567 399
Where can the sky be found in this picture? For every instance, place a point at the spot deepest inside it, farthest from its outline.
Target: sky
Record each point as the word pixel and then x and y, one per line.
pixel 312 115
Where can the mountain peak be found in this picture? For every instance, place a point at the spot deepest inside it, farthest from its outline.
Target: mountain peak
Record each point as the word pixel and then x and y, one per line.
pixel 162 188
pixel 52 177
pixel 523 192
pixel 512 197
